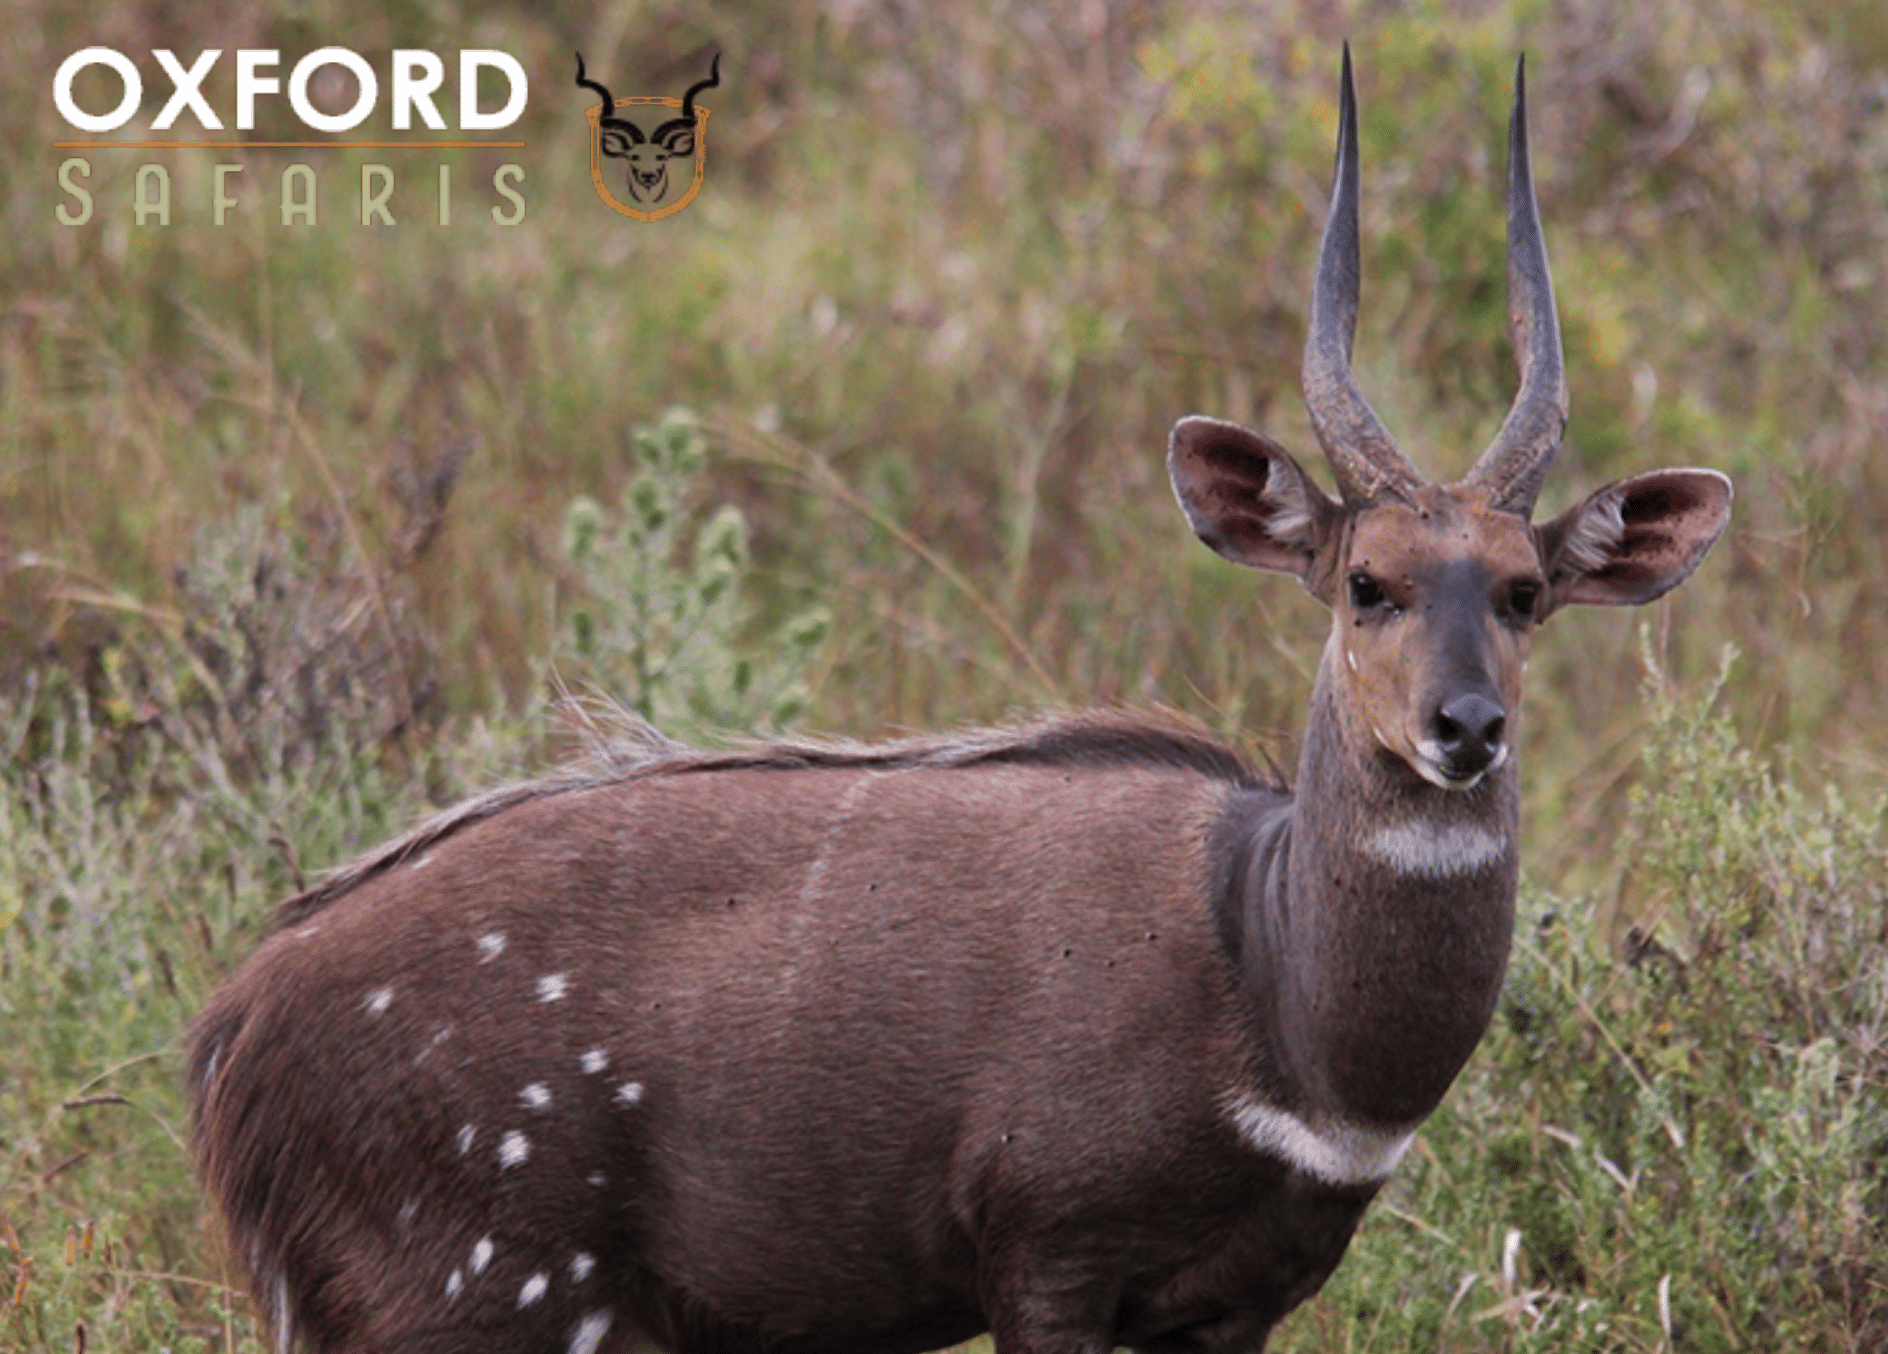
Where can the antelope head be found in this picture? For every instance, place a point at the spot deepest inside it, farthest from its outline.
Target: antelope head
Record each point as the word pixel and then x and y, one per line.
pixel 648 156
pixel 1436 590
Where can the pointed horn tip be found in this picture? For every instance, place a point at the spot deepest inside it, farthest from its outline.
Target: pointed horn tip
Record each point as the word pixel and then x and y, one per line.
pixel 1517 118
pixel 1346 115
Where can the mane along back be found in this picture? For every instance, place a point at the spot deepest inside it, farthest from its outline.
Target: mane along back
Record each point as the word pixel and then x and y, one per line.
pixel 632 750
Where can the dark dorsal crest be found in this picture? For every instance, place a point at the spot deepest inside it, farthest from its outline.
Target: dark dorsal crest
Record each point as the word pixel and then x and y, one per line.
pixel 1365 459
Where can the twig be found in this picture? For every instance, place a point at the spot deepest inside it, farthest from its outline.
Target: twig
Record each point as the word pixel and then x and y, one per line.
pixel 1429 1228
pixel 46 1176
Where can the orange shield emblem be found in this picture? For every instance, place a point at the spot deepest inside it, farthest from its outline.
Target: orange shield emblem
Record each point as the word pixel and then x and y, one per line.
pixel 635 148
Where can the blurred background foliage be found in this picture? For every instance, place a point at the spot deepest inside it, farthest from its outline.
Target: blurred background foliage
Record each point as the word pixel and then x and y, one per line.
pixel 299 529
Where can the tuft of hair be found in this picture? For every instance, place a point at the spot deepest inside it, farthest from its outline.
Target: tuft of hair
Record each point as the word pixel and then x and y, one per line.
pixel 622 747
pixel 1595 537
pixel 1291 517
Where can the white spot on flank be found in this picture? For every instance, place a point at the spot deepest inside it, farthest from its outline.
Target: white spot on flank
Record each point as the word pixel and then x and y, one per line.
pixel 581 1264
pixel 407 1211
pixel 481 1255
pixel 513 1149
pixel 440 1035
pixel 551 987
pixel 422 862
pixel 629 1093
pixel 491 945
pixel 535 1096
pixel 1435 851
pixel 305 932
pixel 533 1289
pixel 1337 1152
pixel 466 1135
pixel 589 1333
pixel 454 1282
pixel 378 1000
pixel 595 1180
pixel 594 1061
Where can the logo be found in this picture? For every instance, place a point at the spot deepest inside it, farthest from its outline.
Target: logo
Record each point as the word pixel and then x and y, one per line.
pixel 644 156
pixel 306 196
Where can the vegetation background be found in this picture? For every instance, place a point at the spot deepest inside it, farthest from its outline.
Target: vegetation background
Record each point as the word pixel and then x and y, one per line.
pixel 301 528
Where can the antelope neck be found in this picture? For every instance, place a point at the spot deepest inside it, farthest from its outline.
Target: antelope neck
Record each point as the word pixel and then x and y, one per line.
pixel 1374 914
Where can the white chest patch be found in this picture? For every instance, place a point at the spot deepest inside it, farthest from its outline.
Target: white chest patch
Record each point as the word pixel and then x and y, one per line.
pixel 1337 1153
pixel 1435 851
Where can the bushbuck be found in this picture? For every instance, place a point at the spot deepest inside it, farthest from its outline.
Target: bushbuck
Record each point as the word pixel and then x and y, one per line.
pixel 1086 1032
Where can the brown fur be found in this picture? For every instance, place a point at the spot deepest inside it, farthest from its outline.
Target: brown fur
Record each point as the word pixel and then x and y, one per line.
pixel 867 1059
pixel 1396 672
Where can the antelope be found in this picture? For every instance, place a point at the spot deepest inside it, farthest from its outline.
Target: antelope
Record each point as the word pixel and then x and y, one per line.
pixel 647 170
pixel 1084 1032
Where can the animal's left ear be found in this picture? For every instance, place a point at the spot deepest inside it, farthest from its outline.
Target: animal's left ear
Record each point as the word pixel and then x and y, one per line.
pixel 1634 540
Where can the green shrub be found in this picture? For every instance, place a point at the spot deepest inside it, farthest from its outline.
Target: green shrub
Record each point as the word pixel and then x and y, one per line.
pixel 663 622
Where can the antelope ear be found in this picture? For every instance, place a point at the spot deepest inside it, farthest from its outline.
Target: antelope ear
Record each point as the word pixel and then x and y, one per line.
pixel 676 137
pixel 1247 498
pixel 1634 540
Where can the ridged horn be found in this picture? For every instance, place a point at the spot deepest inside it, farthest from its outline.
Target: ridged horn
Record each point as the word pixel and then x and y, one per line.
pixel 1364 458
pixel 1516 462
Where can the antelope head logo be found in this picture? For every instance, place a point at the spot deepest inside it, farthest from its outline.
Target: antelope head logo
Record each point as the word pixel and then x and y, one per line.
pixel 647 157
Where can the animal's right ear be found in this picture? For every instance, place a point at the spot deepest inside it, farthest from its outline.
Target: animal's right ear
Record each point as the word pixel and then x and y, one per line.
pixel 1248 499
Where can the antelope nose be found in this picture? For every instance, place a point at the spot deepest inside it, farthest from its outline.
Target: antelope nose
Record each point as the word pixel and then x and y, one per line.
pixel 1469 730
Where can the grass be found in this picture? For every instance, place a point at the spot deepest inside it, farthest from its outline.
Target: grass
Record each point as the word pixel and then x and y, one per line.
pixel 288 554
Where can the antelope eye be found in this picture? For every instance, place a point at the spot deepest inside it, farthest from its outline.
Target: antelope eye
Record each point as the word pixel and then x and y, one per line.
pixel 1366 594
pixel 1523 598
